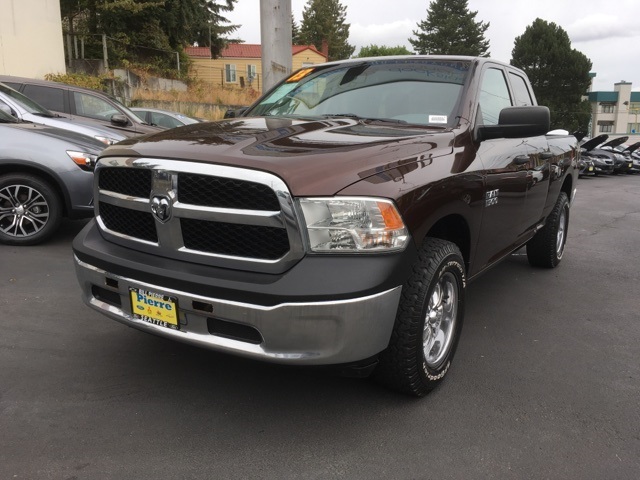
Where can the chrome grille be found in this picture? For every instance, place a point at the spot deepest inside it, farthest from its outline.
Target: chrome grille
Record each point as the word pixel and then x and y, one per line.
pixel 217 215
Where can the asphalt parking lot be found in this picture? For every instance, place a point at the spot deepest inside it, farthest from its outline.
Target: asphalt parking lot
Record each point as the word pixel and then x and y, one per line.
pixel 546 381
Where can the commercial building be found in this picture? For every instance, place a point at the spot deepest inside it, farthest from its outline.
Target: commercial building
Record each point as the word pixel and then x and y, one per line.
pixel 615 113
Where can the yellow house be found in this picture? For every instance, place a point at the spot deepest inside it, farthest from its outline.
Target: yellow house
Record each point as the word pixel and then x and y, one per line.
pixel 240 64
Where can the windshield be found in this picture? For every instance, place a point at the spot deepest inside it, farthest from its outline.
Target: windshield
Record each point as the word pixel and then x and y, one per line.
pixel 25 102
pixel 417 91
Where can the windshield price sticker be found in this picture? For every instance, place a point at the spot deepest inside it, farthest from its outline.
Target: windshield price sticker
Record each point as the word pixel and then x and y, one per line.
pixel 437 119
pixel 154 308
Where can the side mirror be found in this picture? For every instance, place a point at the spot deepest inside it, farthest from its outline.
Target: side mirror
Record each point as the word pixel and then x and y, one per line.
pixel 119 119
pixel 231 113
pixel 516 122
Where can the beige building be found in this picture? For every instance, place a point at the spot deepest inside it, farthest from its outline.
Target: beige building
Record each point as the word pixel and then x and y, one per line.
pixel 31 42
pixel 240 64
pixel 616 113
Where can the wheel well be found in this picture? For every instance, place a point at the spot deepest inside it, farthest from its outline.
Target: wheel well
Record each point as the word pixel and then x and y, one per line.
pixel 50 179
pixel 454 228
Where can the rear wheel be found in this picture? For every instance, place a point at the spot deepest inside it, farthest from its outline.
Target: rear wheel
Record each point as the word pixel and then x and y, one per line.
pixel 30 210
pixel 546 248
pixel 428 322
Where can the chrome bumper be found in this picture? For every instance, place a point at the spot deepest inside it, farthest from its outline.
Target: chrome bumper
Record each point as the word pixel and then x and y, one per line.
pixel 318 333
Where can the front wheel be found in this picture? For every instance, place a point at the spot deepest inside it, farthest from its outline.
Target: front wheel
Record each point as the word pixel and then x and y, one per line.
pixel 546 248
pixel 428 322
pixel 30 210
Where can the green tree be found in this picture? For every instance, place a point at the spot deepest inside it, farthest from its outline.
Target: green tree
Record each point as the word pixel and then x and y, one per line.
pixel 558 73
pixel 156 28
pixel 381 51
pixel 326 20
pixel 451 29
pixel 295 32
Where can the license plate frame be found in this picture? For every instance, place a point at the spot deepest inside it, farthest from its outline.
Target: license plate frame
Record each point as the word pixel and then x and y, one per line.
pixel 154 307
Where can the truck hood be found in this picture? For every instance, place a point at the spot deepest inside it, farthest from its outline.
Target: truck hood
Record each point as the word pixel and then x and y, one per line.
pixel 313 156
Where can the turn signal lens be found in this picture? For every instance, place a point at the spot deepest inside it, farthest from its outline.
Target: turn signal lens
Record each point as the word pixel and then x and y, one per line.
pixel 85 161
pixel 353 224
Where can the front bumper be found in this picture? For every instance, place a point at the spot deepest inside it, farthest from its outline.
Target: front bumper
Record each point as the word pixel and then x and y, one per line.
pixel 253 320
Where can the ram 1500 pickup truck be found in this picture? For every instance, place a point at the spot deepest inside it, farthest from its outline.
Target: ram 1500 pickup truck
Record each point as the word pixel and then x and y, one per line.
pixel 337 221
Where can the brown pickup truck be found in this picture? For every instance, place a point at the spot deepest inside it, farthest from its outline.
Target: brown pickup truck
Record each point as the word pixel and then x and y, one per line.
pixel 337 221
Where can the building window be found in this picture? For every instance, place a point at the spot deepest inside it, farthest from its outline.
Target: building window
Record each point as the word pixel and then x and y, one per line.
pixel 633 128
pixel 607 108
pixel 230 73
pixel 606 127
pixel 251 72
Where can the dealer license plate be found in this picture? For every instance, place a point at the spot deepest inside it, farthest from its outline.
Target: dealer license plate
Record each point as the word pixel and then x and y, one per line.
pixel 154 308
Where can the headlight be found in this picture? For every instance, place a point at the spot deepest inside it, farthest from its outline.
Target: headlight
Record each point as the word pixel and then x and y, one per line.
pixel 353 224
pixel 85 161
pixel 105 140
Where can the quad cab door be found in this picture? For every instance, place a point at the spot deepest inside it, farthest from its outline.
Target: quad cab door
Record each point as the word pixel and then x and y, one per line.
pixel 516 171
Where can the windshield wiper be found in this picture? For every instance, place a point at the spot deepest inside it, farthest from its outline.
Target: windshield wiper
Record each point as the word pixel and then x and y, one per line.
pixel 45 115
pixel 358 117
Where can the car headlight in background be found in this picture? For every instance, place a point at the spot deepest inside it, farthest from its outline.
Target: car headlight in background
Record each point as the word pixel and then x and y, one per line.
pixel 85 161
pixel 353 224
pixel 105 140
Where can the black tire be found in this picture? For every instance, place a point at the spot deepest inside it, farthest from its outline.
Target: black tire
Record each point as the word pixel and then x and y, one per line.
pixel 404 365
pixel 546 248
pixel 30 209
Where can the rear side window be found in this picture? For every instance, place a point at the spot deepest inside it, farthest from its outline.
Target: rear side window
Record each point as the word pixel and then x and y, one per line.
pixel 520 91
pixel 14 85
pixel 50 98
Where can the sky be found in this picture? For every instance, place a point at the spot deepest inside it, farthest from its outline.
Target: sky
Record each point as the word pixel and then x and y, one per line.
pixel 608 33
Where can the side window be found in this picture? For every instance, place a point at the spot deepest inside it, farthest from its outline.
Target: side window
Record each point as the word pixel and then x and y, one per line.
pixel 520 91
pixel 494 95
pixel 50 98
pixel 92 106
pixel 163 120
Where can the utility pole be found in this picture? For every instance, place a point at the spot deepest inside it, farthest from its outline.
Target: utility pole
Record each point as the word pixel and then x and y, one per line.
pixel 275 36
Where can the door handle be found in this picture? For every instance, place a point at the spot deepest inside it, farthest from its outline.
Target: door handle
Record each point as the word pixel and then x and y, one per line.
pixel 521 159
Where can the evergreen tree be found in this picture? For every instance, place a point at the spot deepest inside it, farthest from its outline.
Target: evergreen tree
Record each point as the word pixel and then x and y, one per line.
pixel 295 32
pixel 451 29
pixel 381 51
pixel 154 24
pixel 558 73
pixel 325 20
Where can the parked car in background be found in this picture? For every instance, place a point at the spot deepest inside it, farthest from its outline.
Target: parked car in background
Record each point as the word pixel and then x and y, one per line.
pixel 602 163
pixel 27 110
pixel 46 173
pixel 73 102
pixel 621 164
pixel 163 118
pixel 585 167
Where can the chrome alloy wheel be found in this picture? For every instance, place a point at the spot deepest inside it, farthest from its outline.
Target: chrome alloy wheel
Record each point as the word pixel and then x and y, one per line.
pixel 23 211
pixel 562 230
pixel 440 320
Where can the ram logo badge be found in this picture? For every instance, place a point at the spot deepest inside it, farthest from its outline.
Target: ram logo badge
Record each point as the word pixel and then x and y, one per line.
pixel 161 208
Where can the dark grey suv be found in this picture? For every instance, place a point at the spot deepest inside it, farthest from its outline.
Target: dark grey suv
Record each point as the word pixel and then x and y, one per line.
pixel 72 101
pixel 46 173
